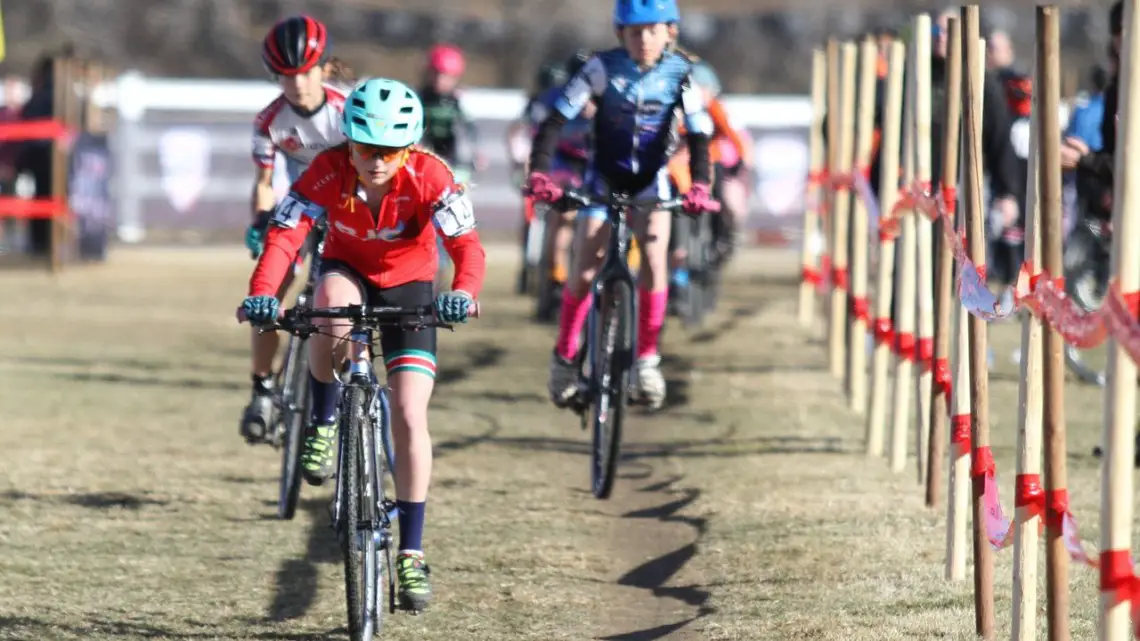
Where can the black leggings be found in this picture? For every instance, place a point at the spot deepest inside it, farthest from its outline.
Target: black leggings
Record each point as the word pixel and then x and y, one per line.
pixel 403 350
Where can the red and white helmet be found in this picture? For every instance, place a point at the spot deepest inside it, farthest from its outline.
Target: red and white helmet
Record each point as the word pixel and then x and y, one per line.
pixel 294 45
pixel 447 60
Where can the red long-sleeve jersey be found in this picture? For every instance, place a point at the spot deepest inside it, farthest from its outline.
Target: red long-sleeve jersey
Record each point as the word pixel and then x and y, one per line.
pixel 397 246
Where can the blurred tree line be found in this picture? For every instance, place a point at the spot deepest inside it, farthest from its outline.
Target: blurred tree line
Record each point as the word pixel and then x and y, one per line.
pixel 756 45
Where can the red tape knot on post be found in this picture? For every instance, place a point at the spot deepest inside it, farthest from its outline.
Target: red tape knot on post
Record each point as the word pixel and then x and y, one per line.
pixel 949 203
pixel 1056 507
pixel 1118 578
pixel 839 277
pixel 926 353
pixel 817 177
pixel 942 377
pixel 905 346
pixel 812 276
pixel 960 434
pixel 861 309
pixel 884 331
pixel 1029 494
pixel 983 463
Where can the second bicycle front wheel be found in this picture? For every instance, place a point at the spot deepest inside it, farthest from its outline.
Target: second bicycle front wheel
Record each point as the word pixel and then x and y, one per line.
pixel 294 416
pixel 613 346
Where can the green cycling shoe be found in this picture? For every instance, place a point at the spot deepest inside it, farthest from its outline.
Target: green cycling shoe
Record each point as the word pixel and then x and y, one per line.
pixel 415 585
pixel 318 457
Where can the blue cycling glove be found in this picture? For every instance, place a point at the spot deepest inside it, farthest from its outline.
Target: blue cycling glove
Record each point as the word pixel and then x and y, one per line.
pixel 453 307
pixel 254 241
pixel 255 234
pixel 260 309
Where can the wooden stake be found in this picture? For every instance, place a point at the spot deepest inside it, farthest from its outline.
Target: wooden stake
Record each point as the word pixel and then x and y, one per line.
pixel 925 240
pixel 944 295
pixel 904 286
pixel 974 63
pixel 865 127
pixel 1116 485
pixel 809 257
pixel 888 196
pixel 1027 523
pixel 841 212
pixel 1048 93
pixel 831 154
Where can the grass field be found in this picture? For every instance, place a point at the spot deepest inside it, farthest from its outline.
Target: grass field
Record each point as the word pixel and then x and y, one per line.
pixel 131 509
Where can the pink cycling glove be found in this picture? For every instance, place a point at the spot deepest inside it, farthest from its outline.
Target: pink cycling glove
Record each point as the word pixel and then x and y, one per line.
pixel 543 188
pixel 698 200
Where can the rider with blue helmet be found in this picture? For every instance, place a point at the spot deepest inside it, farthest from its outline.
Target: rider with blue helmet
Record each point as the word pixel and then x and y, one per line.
pixel 387 201
pixel 639 89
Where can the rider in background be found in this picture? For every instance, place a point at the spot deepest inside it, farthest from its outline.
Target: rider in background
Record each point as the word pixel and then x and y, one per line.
pixel 638 88
pixel 300 123
pixel 387 202
pixel 730 152
pixel 568 166
pixel 551 75
pixel 447 130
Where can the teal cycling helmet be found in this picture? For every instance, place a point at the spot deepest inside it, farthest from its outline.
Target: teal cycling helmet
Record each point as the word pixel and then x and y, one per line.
pixel 704 77
pixel 628 13
pixel 383 112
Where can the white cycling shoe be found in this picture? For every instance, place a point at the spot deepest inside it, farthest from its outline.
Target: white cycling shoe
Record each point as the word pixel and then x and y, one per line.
pixel 650 381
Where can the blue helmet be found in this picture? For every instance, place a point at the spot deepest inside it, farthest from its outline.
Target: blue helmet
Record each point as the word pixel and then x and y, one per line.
pixel 383 112
pixel 634 12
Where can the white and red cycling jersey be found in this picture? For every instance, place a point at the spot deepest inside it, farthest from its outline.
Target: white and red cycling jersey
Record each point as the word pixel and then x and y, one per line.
pixel 299 136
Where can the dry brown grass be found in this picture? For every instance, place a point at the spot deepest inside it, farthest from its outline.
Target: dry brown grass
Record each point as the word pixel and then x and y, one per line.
pixel 130 509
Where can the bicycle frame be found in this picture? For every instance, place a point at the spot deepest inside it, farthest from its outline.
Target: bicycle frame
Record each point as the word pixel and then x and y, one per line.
pixel 361 373
pixel 615 268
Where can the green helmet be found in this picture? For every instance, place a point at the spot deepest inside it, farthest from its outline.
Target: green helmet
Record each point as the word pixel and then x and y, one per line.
pixel 383 112
pixel 704 77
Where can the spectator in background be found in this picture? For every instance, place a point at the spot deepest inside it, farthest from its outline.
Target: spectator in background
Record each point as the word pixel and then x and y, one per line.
pixel 1085 128
pixel 1095 168
pixel 34 156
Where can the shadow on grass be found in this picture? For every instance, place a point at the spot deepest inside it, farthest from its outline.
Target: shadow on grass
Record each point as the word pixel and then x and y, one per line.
pixel 26 627
pixel 295 582
pixel 653 575
pixel 91 500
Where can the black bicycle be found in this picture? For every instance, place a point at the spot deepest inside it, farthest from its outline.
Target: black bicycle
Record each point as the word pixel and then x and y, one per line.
pixel 362 515
pixel 291 394
pixel 605 362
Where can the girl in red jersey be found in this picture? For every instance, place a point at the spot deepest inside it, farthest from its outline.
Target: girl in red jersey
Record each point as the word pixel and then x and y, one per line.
pixel 387 202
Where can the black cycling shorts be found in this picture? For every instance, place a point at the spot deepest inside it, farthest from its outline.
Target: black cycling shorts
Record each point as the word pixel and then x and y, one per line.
pixel 403 350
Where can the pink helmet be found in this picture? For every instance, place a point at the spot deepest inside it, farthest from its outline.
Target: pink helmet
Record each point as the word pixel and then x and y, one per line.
pixel 447 60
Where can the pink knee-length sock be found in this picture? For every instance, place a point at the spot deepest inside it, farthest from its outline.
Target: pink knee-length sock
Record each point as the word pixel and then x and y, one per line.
pixel 651 316
pixel 570 323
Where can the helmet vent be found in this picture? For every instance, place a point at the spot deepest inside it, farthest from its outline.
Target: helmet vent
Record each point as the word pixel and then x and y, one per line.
pixel 384 93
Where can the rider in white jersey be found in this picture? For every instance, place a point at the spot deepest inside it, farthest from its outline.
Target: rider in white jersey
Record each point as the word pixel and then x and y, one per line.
pixel 300 123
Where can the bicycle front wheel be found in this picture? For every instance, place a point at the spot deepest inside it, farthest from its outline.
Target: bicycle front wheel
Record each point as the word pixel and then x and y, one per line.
pixel 613 345
pixel 356 525
pixel 295 411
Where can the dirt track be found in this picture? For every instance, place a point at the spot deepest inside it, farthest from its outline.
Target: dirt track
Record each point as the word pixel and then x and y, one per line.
pixel 130 509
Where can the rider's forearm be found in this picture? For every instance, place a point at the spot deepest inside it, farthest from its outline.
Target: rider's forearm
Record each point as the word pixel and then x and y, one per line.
pixel 700 167
pixel 470 260
pixel 542 152
pixel 281 247
pixel 263 198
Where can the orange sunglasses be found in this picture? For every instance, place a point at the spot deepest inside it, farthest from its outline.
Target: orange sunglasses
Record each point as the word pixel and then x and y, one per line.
pixel 386 154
